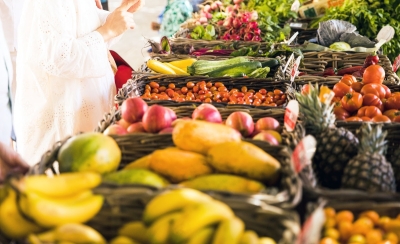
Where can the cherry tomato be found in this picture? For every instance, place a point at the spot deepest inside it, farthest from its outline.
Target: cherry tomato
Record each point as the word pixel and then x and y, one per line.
pixel 213 89
pixel 209 84
pixel 154 90
pixel 218 84
pixel 189 85
pixel 352 101
pixel 196 89
pixel 341 113
pixel 372 100
pixel 369 111
pixel 381 118
pixel 154 84
pixel 264 91
pixel 373 88
pixel 340 89
pixel 147 87
pixel 244 89
pixel 348 79
pixel 357 86
pixel 184 90
pixel 172 85
pixel 222 89
pixel 208 100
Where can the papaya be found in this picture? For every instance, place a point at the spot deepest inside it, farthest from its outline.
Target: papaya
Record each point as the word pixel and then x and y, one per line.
pixel 177 165
pixel 199 136
pixel 93 152
pixel 245 159
pixel 136 176
pixel 141 163
pixel 224 182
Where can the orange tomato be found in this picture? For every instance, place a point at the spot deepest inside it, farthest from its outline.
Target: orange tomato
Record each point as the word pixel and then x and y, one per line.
pixel 371 100
pixel 352 101
pixel 396 119
pixel 388 93
pixel 209 84
pixel 392 113
pixel 348 79
pixel 381 118
pixel 344 215
pixel 184 90
pixel 172 85
pixel 365 118
pixel 369 111
pixel 341 89
pixel 372 215
pixel 154 84
pixel 354 118
pixel 244 89
pixel 341 113
pixel 374 74
pixel 373 88
pixel 218 84
pixel 357 86
pixel 190 85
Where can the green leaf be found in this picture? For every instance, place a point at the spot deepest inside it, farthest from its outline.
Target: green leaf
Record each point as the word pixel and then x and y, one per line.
pixel 194 36
pixel 199 30
pixel 210 30
pixel 207 36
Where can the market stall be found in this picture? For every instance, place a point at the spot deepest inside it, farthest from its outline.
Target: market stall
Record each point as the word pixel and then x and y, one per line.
pixel 260 121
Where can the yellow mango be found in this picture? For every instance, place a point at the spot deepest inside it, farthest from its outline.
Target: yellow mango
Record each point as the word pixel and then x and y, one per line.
pixel 177 165
pixel 199 136
pixel 244 158
pixel 223 182
pixel 141 163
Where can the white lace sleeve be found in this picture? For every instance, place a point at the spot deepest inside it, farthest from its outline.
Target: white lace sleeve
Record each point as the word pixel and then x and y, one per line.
pixel 62 51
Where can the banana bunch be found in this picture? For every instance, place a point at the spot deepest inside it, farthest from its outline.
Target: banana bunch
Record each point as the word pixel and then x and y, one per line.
pixel 36 203
pixel 68 233
pixel 187 216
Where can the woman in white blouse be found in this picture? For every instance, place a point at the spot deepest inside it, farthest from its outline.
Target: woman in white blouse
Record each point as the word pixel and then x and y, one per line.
pixel 65 81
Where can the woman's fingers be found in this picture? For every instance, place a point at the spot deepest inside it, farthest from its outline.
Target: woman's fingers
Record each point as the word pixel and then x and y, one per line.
pixel 127 4
pixel 136 6
pixel 98 4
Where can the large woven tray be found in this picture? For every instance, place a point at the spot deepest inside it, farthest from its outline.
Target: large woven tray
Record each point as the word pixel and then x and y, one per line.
pixel 134 146
pixel 135 86
pixel 317 62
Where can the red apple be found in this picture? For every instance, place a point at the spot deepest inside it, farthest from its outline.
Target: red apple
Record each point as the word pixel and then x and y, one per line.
pixel 156 119
pixel 124 123
pixel 242 122
pixel 166 130
pixel 136 128
pixel 115 129
pixel 133 109
pixel 265 136
pixel 172 114
pixel 207 112
pixel 267 123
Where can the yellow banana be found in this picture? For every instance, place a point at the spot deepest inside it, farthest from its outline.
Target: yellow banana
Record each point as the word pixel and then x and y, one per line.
pixel 177 70
pixel 203 236
pixel 63 185
pixel 48 213
pixel 70 199
pixel 197 216
pixel 159 231
pixel 229 231
pixel 135 230
pixel 12 223
pixel 183 64
pixel 266 240
pixel 44 237
pixel 123 240
pixel 33 239
pixel 249 237
pixel 159 67
pixel 78 233
pixel 172 201
pixel 3 193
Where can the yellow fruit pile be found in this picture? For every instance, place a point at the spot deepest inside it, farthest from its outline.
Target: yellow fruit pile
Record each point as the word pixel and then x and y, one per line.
pixel 204 148
pixel 368 228
pixel 38 203
pixel 188 216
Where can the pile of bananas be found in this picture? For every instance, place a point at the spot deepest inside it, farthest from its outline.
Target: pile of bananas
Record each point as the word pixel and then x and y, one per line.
pixel 35 204
pixel 188 216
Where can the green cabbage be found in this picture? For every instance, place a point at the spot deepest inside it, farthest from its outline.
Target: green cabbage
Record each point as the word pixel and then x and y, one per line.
pixel 340 46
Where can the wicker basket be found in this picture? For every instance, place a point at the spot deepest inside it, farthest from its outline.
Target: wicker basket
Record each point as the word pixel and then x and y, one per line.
pixel 135 146
pixel 313 192
pixel 317 62
pixel 135 86
pixel 126 203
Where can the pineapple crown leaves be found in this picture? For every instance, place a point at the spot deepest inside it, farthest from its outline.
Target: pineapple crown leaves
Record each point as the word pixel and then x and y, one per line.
pixel 372 139
pixel 317 113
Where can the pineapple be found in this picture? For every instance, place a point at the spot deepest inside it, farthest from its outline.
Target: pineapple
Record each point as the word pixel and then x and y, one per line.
pixel 335 146
pixel 395 161
pixel 369 170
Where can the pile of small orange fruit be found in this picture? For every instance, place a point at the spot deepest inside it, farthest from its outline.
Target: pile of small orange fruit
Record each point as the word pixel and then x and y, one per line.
pixel 369 227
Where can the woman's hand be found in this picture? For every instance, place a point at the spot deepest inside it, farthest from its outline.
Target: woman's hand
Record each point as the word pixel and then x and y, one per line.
pixel 136 6
pixel 10 162
pixel 118 21
pixel 98 4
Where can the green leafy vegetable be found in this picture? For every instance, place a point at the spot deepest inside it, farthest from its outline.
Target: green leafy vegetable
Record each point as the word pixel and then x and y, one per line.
pixel 369 16
pixel 199 32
